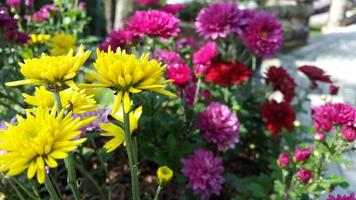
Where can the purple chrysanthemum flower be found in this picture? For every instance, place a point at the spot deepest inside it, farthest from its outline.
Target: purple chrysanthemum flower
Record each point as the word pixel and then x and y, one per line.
pixel 263 35
pixel 186 41
pixel 220 126
pixel 169 57
pixel 117 38
pixel 173 8
pixel 13 3
pixel 154 23
pixel 218 20
pixel 330 114
pixel 102 115
pixel 204 172
pixel 342 197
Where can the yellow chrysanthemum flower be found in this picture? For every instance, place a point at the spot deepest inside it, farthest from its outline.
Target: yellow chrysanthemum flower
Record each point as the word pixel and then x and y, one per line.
pixel 127 74
pixel 38 141
pixel 164 174
pixel 61 44
pixel 77 101
pixel 53 71
pixel 39 38
pixel 112 130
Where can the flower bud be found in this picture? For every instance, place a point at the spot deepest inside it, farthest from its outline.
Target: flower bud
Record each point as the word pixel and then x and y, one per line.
pixel 164 175
pixel 302 154
pixel 304 175
pixel 319 136
pixel 283 160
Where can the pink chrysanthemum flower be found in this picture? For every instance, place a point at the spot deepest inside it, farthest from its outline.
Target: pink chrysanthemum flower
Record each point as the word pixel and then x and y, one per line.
pixel 204 172
pixel 331 114
pixel 218 20
pixel 263 35
pixel 220 126
pixel 154 23
pixel 169 57
pixel 173 8
pixel 203 57
pixel 179 73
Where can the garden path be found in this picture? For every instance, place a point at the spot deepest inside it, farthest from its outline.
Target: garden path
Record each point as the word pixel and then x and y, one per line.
pixel 335 52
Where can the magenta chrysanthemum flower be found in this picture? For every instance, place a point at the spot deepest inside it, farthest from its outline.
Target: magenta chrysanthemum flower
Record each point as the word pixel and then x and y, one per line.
pixel 304 175
pixel 154 23
pixel 218 20
pixel 13 3
pixel 331 114
pixel 220 126
pixel 148 2
pixel 173 8
pixel 204 172
pixel 349 132
pixel 117 38
pixel 263 35
pixel 179 73
pixel 169 57
pixel 302 154
pixel 342 197
pixel 283 160
pixel 203 57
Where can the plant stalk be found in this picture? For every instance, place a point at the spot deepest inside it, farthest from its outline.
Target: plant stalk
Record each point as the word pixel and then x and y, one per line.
pixel 197 90
pixel 158 191
pixel 131 155
pixel 69 163
pixel 49 186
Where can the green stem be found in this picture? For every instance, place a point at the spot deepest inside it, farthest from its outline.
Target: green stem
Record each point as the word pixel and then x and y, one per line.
pixel 69 163
pixel 23 188
pixel 131 155
pixel 197 90
pixel 71 179
pixel 254 63
pixel 49 186
pixel 157 192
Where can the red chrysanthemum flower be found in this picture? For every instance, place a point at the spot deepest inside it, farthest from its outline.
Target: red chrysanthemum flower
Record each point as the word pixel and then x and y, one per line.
pixel 278 116
pixel 315 74
pixel 226 74
pixel 281 81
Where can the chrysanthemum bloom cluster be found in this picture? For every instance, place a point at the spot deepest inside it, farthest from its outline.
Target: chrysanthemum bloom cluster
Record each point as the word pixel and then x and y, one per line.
pixel 218 20
pixel 342 197
pixel 203 57
pixel 173 8
pixel 39 38
pixel 126 74
pixel 281 81
pixel 164 175
pixel 315 74
pixel 278 116
pixel 56 72
pixel 38 141
pixel 220 126
pixel 227 74
pixel 336 114
pixel 44 13
pixel 154 23
pixel 116 133
pixel 204 172
pixel 76 101
pixel 118 38
pixel 8 27
pixel 304 175
pixel 302 154
pixel 61 44
pixel 263 35
pixel 283 160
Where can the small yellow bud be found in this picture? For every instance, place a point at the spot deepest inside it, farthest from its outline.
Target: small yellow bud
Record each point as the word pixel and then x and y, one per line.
pixel 297 123
pixel 164 174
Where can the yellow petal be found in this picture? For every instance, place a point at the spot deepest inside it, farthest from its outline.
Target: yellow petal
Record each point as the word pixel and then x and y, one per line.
pixel 127 102
pixel 117 103
pixel 31 171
